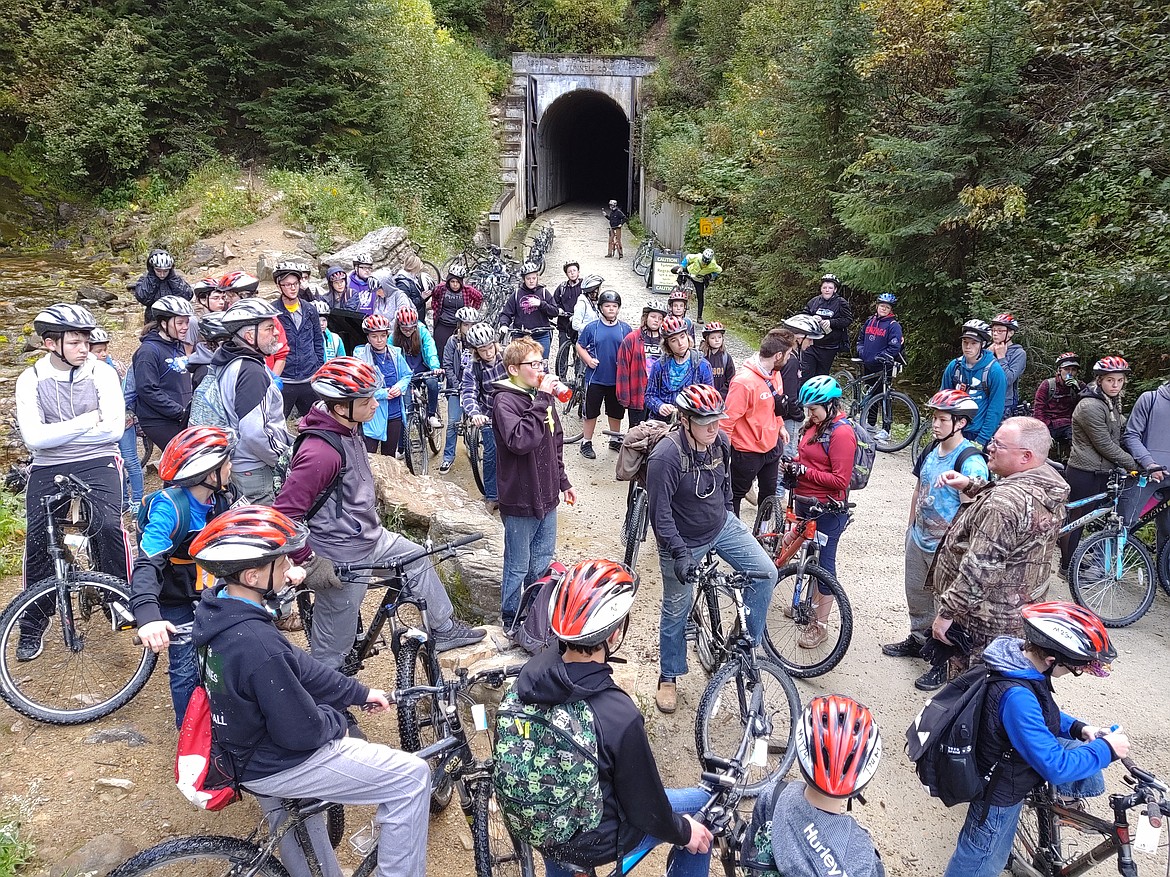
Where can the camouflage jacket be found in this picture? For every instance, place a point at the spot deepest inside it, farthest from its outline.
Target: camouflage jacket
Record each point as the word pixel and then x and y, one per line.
pixel 996 556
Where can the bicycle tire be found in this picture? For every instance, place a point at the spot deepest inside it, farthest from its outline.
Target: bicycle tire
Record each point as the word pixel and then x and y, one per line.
pixel 643 259
pixel 781 633
pixel 1027 857
pixel 769 524
pixel 567 359
pixel 181 853
pixel 1164 567
pixel 635 528
pixel 335 824
pixel 417 459
pixel 433 270
pixel 1093 585
pixel 305 608
pixel 420 721
pixel 432 434
pixel 719 730
pixel 472 443
pixel 710 640
pixel 147 449
pixel 40 688
pixel 573 416
pixel 497 852
pixel 905 419
pixel 922 442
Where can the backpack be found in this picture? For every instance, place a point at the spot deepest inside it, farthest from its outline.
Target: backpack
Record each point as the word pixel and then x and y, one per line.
pixel 547 770
pixel 957 375
pixel 964 455
pixel 756 855
pixel 942 739
pixel 207 407
pixel 864 455
pixel 178 498
pixel 532 630
pixel 640 441
pixel 334 488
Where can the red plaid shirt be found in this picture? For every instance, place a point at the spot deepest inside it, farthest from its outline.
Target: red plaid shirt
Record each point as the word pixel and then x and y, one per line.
pixel 631 371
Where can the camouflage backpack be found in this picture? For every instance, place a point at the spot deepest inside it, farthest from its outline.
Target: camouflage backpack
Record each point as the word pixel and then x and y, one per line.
pixel 546 770
pixel 757 856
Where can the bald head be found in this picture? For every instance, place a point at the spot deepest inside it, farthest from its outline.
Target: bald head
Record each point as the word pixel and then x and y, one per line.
pixel 1020 444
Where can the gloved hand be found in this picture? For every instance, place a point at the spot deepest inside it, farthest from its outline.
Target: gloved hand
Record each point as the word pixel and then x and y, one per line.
pixel 320 574
pixel 794 469
pixel 684 567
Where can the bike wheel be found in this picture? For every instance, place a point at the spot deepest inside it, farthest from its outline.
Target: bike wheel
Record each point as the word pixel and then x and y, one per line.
pixel 497 852
pixel 724 713
pixel 573 416
pixel 714 616
pixel 769 524
pixel 1118 599
pixel 797 592
pixel 100 673
pixel 145 448
pixel 417 458
pixel 201 856
pixel 435 437
pixel 433 270
pixel 1027 858
pixel 642 260
pixel 472 442
pixel 1164 567
pixel 305 608
pixel 895 413
pixel 922 442
pixel 420 721
pixel 635 529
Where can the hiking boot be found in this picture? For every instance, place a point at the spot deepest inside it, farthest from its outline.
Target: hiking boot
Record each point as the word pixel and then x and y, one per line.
pixel 456 636
pixel 813 635
pixel 667 697
pixel 907 648
pixel 446 467
pixel 587 451
pixel 615 444
pixel 31 645
pixel 932 679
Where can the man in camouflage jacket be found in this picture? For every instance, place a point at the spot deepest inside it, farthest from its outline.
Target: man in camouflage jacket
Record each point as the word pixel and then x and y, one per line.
pixel 997 555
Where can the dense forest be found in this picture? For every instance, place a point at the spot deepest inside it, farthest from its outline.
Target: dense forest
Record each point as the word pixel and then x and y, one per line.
pixel 968 155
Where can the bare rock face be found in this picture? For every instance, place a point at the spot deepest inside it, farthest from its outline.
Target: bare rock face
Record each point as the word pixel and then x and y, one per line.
pixel 96 858
pixel 385 246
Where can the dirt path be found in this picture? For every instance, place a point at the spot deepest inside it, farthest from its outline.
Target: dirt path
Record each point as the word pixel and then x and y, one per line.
pixel 57 773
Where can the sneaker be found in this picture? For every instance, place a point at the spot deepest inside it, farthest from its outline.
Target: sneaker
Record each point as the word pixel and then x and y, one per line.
pixel 456 636
pixel 667 697
pixel 587 451
pixel 907 648
pixel 491 505
pixel 31 645
pixel 433 422
pixel 934 678
pixel 615 444
pixel 882 435
pixel 813 635
pixel 446 467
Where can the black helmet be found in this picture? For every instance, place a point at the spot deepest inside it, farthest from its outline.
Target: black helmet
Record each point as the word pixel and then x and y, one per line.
pixel 609 296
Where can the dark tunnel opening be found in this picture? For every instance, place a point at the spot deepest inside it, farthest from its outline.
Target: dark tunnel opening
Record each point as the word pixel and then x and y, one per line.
pixel 583 151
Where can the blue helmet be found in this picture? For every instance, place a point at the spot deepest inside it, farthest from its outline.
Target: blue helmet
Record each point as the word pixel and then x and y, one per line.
pixel 887 298
pixel 819 390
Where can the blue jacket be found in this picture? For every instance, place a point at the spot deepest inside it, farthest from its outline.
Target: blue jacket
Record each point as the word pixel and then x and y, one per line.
pixel 427 348
pixel 375 428
pixel 879 335
pixel 987 385
pixel 659 389
pixel 306 347
pixel 161 379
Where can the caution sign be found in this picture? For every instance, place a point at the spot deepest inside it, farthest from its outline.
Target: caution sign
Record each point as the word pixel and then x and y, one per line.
pixel 708 224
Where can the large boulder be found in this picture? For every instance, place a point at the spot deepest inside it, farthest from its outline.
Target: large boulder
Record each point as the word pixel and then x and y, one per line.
pixel 269 259
pixel 386 246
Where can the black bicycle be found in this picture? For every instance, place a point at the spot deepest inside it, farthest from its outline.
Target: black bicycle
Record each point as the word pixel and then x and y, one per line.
pixel 472 443
pixel 892 415
pixel 422 440
pixel 636 524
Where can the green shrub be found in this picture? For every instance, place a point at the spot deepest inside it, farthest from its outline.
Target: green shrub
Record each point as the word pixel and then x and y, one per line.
pixel 15 849
pixel 11 539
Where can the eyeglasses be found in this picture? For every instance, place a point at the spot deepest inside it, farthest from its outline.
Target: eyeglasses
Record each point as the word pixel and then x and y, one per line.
pixel 994 444
pixel 534 363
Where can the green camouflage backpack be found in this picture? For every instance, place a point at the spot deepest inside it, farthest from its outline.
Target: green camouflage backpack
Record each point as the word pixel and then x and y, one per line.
pixel 546 770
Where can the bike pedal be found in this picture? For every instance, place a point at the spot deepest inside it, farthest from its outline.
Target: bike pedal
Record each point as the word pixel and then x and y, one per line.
pixel 691 632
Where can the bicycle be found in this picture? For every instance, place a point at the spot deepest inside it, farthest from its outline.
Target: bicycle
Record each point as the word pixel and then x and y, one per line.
pixel 90 666
pixel 793 542
pixel 569 363
pixel 472 443
pixel 644 255
pixel 428 267
pixel 747 691
pixel 1038 850
pixel 872 397
pixel 636 523
pixel 419 433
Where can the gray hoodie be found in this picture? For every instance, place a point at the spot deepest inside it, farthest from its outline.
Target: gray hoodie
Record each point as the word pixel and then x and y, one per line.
pixel 807 842
pixel 1147 434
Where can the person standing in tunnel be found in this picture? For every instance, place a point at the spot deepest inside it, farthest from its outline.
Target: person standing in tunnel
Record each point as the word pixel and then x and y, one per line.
pixel 617 219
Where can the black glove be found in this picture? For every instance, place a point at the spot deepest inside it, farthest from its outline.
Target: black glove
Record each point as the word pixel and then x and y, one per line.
pixel 794 469
pixel 320 574
pixel 684 567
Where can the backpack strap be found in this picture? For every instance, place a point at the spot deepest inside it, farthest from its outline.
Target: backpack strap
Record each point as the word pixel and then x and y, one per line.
pixel 675 435
pixel 177 497
pixel 334 488
pixel 933 446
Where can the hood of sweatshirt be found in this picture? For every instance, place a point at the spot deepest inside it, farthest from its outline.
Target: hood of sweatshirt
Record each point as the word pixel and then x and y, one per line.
pixel 549 680
pixel 505 383
pixel 318 418
pixel 753 363
pixel 233 349
pixel 1043 482
pixel 217 613
pixel 1006 655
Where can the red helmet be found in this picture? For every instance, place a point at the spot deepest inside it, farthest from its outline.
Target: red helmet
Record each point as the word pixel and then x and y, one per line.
pixel 1070 631
pixel 954 401
pixel 246 537
pixel 838 745
pixel 1006 319
pixel 673 326
pixel 1111 365
pixel 677 294
pixel 701 402
pixel 194 453
pixel 240 282
pixel 345 377
pixel 375 323
pixel 592 601
pixel 1068 360
pixel 714 326
pixel 406 317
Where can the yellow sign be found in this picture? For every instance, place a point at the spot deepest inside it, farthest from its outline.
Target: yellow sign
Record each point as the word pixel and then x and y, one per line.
pixel 708 224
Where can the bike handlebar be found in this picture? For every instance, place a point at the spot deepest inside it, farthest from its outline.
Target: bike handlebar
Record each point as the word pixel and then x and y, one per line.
pixel 406 560
pixel 181 637
pixel 72 480
pixel 825 505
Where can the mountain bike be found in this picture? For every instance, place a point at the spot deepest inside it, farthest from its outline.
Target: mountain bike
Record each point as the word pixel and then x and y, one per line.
pixel 748 692
pixel 872 398
pixel 569 363
pixel 473 444
pixel 794 543
pixel 1043 847
pixel 644 255
pixel 88 665
pixel 420 435
pixel 572 413
pixel 636 523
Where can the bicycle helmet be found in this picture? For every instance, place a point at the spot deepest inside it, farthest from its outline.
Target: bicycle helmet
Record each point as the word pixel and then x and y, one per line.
pixel 333 271
pixel 887 298
pixel 481 335
pixel 247 312
pixel 656 305
pixel 1072 633
pixel 1111 365
pixel 99 336
pixel 677 294
pixel 591 601
pixel 172 306
pixel 240 282
pixel 838 745
pixel 362 260
pixel 707 256
pixel 954 401
pixel 285 269
pixel 1006 319
pixel 467 315
pixel 612 202
pixel 457 270
pixel 194 454
pixel 609 296
pixel 406 317
pixel 701 403
pixel 831 278
pixel 572 263
pixel 322 307
pixel 591 282
pixel 977 330
pixel 804 324
pixel 713 327
pixel 376 323
pixel 205 287
pixel 160 259
pixel 1068 360
pixel 529 268
pixel 819 390
pixel 246 537
pixel 345 377
pixel 673 326
pixel 211 328
pixel 305 268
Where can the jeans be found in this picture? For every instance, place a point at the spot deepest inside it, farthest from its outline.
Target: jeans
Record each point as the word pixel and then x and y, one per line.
pixel 128 448
pixel 352 771
pixel 257 483
pixel 487 440
pixel 679 863
pixel 736 545
pixel 832 525
pixel 529 545
pixel 454 412
pixel 182 668
pixel 985 841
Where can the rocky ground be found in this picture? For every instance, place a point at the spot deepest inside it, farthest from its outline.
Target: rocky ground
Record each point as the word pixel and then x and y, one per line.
pixel 78 788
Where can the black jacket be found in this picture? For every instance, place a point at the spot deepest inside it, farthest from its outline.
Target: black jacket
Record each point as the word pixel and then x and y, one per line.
pixel 161 379
pixel 839 314
pixel 635 801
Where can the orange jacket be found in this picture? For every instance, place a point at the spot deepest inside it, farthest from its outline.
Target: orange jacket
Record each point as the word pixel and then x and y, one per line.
pixel 752 424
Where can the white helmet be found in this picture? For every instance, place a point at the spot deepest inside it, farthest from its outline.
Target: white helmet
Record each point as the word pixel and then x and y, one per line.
pixel 63 317
pixel 160 259
pixel 172 306
pixel 360 259
pixel 247 312
pixel 99 336
pixel 804 324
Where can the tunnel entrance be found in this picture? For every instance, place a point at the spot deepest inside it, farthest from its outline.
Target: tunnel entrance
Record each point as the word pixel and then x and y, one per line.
pixel 583 151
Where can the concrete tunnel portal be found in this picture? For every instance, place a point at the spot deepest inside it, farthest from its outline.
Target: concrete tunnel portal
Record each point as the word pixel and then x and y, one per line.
pixel 583 151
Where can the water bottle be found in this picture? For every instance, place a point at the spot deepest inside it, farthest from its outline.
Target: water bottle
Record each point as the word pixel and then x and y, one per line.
pixel 563 392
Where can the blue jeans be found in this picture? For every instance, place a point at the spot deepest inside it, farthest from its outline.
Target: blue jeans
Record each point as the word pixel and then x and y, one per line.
pixel 832 526
pixel 736 545
pixel 487 440
pixel 128 449
pixel 529 545
pixel 454 412
pixel 679 863
pixel 182 669
pixel 1089 787
pixel 984 843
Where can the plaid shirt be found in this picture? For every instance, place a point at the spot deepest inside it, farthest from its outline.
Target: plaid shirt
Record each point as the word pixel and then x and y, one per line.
pixel 476 390
pixel 632 376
